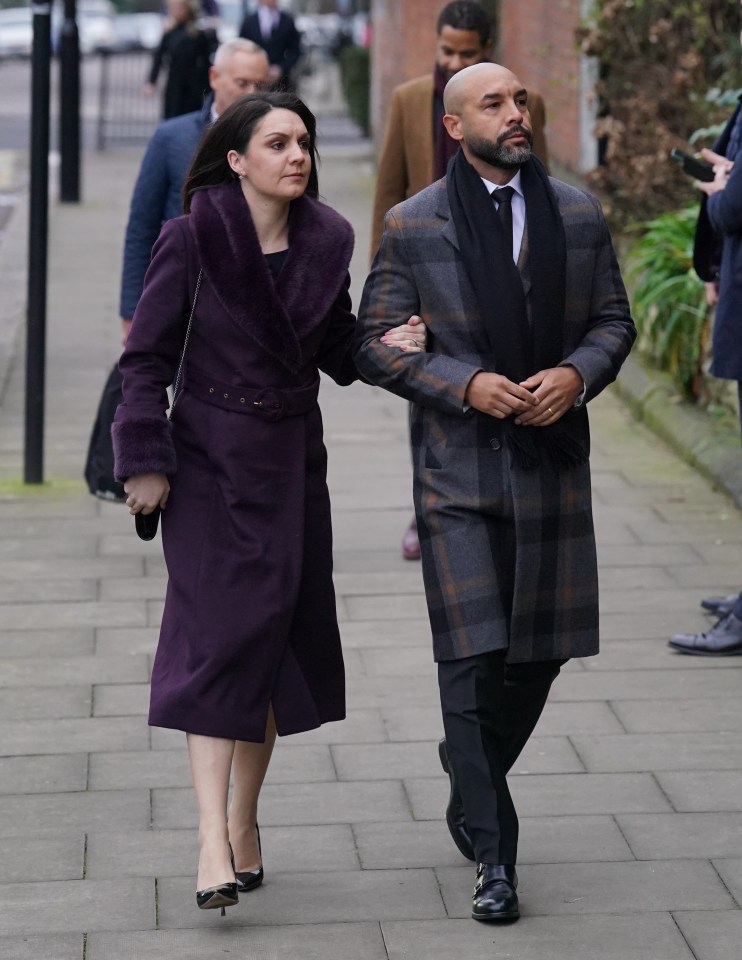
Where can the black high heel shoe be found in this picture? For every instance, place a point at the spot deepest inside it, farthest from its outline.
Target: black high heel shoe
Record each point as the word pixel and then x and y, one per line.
pixel 249 879
pixel 213 898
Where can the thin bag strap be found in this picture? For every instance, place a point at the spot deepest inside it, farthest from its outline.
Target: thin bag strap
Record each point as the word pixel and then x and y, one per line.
pixel 176 383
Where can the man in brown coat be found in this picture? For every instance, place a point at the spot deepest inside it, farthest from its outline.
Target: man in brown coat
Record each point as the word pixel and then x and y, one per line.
pixel 417 147
pixel 516 279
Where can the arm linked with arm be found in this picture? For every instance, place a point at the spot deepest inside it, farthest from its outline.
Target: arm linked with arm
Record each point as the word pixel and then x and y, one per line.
pixel 390 298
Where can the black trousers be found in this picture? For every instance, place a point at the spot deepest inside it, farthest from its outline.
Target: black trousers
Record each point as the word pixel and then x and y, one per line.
pixel 490 709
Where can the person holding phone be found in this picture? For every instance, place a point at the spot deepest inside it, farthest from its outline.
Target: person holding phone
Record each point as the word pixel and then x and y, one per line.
pixel 717 259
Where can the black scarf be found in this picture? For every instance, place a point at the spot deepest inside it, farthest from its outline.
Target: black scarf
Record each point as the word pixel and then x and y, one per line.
pixel 519 348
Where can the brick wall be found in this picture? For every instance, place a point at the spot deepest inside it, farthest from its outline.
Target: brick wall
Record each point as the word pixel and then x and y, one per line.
pixel 536 41
pixel 403 48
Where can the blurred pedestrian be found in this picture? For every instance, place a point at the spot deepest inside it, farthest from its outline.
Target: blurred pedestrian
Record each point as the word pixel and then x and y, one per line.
pixel 240 67
pixel 417 147
pixel 249 644
pixel 519 286
pixel 185 50
pixel 275 31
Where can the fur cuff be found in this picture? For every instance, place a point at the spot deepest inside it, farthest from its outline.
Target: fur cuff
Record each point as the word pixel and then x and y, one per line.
pixel 142 446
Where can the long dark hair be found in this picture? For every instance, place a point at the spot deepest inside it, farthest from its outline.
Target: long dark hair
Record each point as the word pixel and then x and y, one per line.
pixel 233 130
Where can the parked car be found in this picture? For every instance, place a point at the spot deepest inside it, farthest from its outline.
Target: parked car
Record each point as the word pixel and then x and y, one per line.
pixel 137 31
pixel 16 32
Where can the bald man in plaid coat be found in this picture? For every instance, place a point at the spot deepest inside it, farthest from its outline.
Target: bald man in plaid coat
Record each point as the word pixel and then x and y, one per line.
pixel 527 321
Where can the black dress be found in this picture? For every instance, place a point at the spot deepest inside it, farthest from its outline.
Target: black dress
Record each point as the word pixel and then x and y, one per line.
pixel 187 52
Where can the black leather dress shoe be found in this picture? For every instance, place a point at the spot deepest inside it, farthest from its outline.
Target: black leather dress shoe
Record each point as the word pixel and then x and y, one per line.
pixel 720 606
pixel 494 893
pixel 723 640
pixel 455 810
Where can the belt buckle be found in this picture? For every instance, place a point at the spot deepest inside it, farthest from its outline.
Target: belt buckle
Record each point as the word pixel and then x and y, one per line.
pixel 270 404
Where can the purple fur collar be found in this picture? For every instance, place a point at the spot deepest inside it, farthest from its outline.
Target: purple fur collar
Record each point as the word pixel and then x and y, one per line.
pixel 276 315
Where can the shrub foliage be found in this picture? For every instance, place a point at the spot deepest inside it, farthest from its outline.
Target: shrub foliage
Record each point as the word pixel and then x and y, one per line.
pixel 658 59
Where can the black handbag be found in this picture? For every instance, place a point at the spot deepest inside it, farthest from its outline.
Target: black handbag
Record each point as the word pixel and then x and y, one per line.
pixel 99 463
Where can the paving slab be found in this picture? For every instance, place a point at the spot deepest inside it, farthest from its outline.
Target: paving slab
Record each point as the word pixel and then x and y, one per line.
pixel 721 750
pixel 60 671
pixel 27 859
pixel 68 946
pixel 38 703
pixel 110 641
pixel 617 653
pixel 73 736
pixel 427 843
pixel 601 937
pixel 678 684
pixel 76 905
pixel 45 815
pixel 306 803
pixel 567 794
pixel 43 774
pixel 717 715
pixel 711 934
pixel 326 941
pixel 46 643
pixel 730 872
pixel 698 791
pixel 664 836
pixel 300 898
pixel 121 700
pixel 174 853
pixel 619 887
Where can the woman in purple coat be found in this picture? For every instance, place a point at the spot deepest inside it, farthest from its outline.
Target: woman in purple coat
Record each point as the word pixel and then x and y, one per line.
pixel 249 643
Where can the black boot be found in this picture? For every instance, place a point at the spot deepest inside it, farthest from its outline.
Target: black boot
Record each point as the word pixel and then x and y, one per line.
pixel 494 893
pixel 723 640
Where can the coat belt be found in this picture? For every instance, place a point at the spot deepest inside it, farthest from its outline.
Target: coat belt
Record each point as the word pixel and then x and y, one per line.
pixel 270 403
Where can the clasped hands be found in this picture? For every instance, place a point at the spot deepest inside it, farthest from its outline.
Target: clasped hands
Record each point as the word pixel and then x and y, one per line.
pixel 539 401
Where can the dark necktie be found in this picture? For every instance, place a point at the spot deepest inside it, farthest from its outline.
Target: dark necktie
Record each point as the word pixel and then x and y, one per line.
pixel 503 197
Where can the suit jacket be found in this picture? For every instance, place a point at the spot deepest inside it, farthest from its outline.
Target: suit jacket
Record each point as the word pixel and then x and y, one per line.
pixel 717 255
pixel 508 553
pixel 284 44
pixel 407 156
pixel 157 196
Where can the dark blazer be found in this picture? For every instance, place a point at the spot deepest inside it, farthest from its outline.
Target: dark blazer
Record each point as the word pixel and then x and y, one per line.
pixel 493 536
pixel 284 44
pixel 187 51
pixel 717 255
pixel 157 196
pixel 249 617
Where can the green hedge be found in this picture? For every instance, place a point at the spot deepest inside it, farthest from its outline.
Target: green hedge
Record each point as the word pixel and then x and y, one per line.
pixel 355 73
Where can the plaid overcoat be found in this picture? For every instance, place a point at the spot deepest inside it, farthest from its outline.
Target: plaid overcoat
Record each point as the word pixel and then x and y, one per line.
pixel 508 554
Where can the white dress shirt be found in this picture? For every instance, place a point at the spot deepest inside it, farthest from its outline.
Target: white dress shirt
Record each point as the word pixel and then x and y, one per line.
pixel 519 210
pixel 268 19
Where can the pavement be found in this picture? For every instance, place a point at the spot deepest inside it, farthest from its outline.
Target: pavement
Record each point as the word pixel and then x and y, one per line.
pixel 630 792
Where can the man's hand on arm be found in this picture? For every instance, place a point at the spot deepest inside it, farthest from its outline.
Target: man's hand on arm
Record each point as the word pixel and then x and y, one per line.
pixel 497 396
pixel 555 391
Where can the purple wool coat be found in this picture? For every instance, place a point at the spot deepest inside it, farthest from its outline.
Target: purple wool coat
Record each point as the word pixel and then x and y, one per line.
pixel 249 615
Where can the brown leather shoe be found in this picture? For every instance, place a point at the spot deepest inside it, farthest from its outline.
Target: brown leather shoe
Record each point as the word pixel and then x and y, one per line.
pixel 410 542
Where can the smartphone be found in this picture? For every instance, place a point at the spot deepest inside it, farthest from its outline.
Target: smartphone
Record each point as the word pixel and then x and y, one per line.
pixel 698 169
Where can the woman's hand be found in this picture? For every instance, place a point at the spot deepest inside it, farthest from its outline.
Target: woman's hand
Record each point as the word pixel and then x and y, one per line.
pixel 146 492
pixel 410 337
